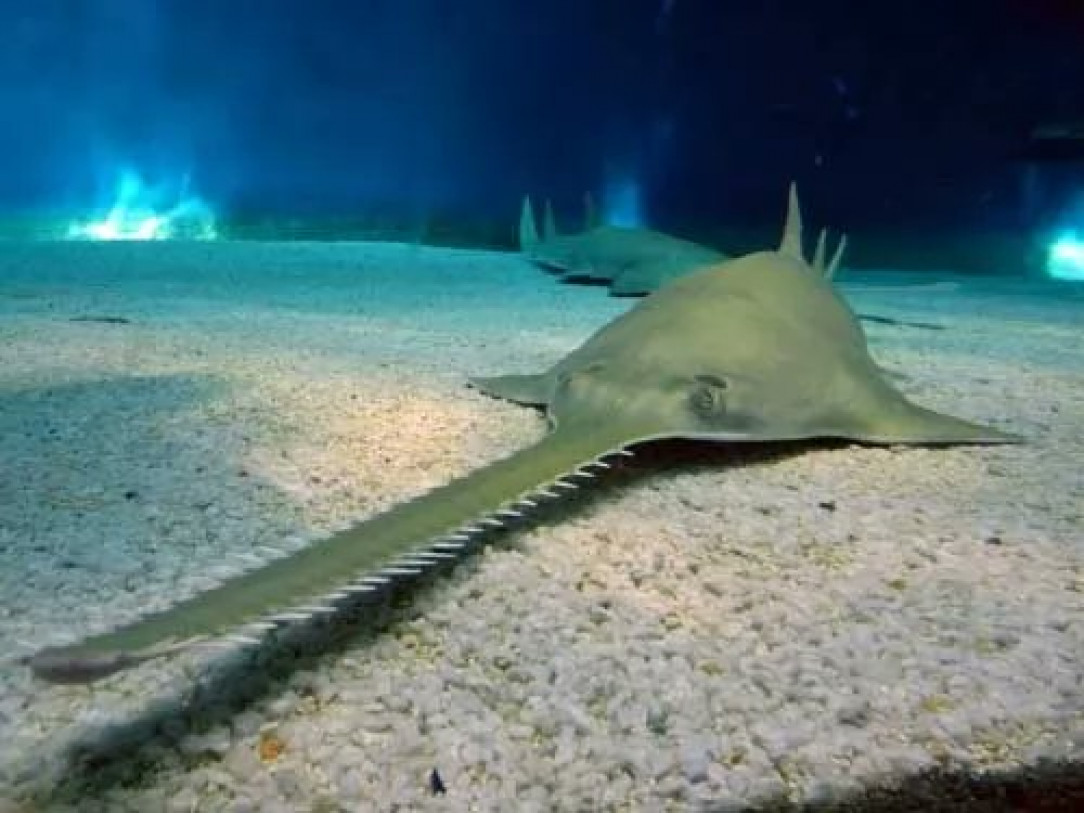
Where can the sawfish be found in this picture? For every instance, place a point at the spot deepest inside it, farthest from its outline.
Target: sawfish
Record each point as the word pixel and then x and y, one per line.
pixel 632 260
pixel 755 349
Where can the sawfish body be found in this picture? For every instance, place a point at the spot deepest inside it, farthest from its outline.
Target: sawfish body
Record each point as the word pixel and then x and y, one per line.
pixel 757 349
pixel 632 260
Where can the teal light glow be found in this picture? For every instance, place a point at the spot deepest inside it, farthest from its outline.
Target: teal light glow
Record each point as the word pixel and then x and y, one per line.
pixel 134 215
pixel 1065 258
pixel 622 203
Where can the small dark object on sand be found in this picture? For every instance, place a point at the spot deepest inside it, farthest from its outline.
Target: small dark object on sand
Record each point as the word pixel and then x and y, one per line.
pixel 436 784
pixel 105 320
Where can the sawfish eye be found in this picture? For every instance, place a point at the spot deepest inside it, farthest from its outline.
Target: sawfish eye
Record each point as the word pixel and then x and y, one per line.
pixel 709 395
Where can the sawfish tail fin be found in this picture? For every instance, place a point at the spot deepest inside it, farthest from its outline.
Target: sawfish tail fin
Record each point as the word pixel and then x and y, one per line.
pixel 791 244
pixel 528 228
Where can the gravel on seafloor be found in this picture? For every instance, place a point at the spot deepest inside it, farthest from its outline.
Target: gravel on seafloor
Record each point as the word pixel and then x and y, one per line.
pixel 709 628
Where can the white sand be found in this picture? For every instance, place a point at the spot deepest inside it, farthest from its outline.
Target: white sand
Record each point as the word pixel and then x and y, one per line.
pixel 714 628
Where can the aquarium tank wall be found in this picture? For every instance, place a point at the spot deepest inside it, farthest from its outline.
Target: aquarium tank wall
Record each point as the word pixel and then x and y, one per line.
pixel 570 405
pixel 428 121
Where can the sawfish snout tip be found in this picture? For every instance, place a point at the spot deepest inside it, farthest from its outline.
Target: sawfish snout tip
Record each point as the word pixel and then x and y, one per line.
pixel 63 666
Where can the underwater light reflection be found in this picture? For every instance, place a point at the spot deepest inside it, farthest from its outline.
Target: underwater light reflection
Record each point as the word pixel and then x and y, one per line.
pixel 134 215
pixel 623 202
pixel 1065 258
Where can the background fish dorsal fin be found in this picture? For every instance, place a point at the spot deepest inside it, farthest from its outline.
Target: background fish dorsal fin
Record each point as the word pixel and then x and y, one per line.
pixel 549 222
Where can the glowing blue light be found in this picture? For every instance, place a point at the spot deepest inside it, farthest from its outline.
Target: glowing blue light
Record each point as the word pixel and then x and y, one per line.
pixel 623 203
pixel 1065 258
pixel 134 216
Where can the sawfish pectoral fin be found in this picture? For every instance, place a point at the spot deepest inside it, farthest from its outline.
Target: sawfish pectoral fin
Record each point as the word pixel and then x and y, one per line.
pixel 901 421
pixel 533 390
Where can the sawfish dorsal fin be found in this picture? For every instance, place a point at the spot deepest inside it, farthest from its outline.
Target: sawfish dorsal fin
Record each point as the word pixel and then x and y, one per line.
pixel 820 251
pixel 791 244
pixel 837 258
pixel 828 271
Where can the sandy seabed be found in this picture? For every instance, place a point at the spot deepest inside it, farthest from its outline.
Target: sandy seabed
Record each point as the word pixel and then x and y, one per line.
pixel 709 628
